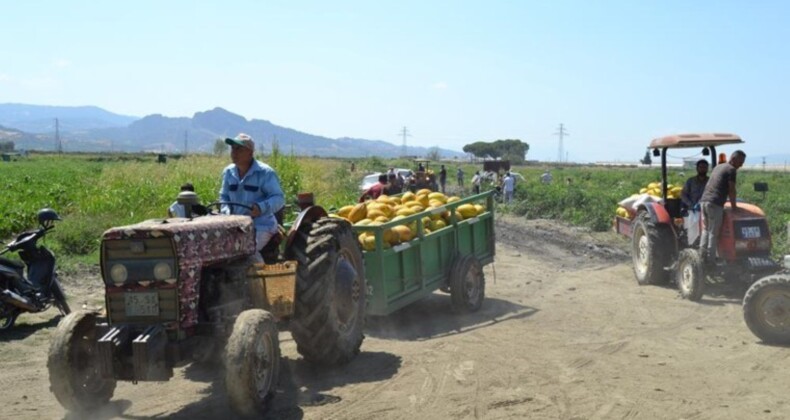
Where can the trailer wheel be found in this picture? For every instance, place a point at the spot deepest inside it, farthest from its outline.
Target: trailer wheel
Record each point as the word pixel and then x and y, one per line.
pixel 252 362
pixel 690 275
pixel 467 284
pixel 330 292
pixel 766 309
pixel 74 376
pixel 649 250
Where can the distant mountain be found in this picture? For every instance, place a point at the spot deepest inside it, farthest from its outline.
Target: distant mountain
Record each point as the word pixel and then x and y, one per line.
pixel 41 118
pixel 19 138
pixel 159 133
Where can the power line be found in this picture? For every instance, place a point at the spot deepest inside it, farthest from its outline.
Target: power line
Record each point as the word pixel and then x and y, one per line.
pixel 561 133
pixel 404 133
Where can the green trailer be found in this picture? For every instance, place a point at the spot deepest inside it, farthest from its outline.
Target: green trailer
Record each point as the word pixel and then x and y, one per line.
pixel 450 259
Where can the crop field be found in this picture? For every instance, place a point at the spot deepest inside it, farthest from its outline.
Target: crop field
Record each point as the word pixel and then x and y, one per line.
pixel 95 192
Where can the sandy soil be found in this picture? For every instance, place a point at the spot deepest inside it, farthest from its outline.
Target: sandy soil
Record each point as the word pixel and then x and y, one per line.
pixel 565 332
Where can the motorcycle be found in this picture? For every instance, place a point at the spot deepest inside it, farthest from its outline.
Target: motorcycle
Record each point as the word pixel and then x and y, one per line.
pixel 41 289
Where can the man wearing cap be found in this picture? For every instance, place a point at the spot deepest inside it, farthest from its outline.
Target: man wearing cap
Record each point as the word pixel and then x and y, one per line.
pixel 252 183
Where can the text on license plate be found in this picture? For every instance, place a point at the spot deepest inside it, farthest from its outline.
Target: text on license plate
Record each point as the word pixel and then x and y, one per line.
pixel 141 303
pixel 750 232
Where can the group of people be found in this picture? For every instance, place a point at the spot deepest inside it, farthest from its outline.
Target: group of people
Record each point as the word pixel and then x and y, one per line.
pixel 708 194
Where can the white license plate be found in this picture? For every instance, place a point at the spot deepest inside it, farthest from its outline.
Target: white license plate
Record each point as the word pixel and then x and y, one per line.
pixel 750 232
pixel 141 303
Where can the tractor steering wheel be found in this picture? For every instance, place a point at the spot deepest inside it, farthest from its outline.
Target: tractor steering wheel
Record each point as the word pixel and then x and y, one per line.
pixel 218 205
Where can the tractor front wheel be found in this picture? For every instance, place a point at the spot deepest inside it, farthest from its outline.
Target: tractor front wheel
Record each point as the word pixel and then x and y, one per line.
pixel 690 275
pixel 252 362
pixel 766 309
pixel 330 292
pixel 73 365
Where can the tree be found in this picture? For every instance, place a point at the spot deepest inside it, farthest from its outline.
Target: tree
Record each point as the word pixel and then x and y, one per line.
pixel 6 146
pixel 647 160
pixel 513 150
pixel 220 147
pixel 434 154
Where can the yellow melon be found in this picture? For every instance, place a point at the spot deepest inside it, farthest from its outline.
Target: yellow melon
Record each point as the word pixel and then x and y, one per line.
pixel 467 210
pixel 452 199
pixel 345 210
pixel 424 191
pixel 437 196
pixel 405 212
pixel 403 232
pixel 480 209
pixel 358 213
pixel 363 222
pixel 408 196
pixel 437 224
pixel 381 219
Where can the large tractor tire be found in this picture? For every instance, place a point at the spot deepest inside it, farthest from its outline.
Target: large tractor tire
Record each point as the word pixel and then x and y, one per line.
pixel 252 362
pixel 330 292
pixel 766 309
pixel 74 375
pixel 651 250
pixel 690 275
pixel 467 284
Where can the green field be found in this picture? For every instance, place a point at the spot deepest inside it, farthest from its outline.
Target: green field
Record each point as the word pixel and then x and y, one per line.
pixel 95 192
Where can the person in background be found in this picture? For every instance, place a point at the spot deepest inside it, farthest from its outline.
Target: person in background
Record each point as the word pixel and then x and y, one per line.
pixel 719 188
pixel 393 185
pixel 460 176
pixel 546 177
pixel 508 187
pixel 376 190
pixel 176 209
pixel 476 180
pixel 695 186
pixel 442 178
pixel 254 184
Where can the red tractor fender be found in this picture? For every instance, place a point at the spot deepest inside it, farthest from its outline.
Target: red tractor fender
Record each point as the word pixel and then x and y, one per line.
pixel 307 215
pixel 657 213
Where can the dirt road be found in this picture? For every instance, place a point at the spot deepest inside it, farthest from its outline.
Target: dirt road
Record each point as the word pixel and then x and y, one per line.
pixel 565 333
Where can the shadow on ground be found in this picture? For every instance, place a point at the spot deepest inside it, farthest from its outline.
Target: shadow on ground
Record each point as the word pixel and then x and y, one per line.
pixel 22 329
pixel 433 317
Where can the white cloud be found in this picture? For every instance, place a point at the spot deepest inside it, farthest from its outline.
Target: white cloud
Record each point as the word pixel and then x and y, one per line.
pixel 440 85
pixel 4 78
pixel 39 83
pixel 61 63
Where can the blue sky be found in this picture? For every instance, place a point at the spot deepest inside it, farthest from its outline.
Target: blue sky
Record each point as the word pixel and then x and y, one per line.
pixel 616 73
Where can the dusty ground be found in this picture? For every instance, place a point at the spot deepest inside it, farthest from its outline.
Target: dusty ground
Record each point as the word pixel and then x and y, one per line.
pixel 565 333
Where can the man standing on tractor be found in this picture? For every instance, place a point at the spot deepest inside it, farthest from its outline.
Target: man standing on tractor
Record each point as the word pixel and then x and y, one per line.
pixel 719 188
pixel 252 183
pixel 695 186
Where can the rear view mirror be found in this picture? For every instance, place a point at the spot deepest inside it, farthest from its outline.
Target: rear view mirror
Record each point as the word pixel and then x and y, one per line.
pixel 656 153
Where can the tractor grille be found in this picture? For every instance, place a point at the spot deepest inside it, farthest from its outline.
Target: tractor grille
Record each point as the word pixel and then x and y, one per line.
pixel 165 309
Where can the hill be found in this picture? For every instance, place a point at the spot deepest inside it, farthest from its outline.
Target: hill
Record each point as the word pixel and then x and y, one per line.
pixel 40 119
pixel 159 133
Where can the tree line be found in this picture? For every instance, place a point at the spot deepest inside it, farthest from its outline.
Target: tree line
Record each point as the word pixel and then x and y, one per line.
pixel 513 150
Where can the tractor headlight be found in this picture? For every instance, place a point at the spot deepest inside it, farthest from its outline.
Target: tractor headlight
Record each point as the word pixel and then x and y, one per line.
pixel 162 271
pixel 118 273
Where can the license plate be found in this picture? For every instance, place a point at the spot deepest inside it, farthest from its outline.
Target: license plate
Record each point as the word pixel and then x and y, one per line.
pixel 141 303
pixel 750 232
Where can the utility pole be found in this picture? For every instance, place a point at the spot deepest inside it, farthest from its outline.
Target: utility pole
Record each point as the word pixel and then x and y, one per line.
pixel 186 138
pixel 58 144
pixel 561 133
pixel 404 133
pixel 763 163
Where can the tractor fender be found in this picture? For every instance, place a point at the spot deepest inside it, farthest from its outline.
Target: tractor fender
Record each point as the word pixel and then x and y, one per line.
pixel 307 215
pixel 657 212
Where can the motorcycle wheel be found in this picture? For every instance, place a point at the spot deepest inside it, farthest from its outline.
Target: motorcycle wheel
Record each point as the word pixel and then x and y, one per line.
pixel 7 317
pixel 60 297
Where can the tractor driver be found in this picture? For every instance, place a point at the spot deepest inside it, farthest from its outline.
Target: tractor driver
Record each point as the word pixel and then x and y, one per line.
pixel 695 186
pixel 255 184
pixel 719 188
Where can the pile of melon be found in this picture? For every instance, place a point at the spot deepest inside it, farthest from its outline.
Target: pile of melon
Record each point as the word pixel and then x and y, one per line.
pixel 652 189
pixel 386 209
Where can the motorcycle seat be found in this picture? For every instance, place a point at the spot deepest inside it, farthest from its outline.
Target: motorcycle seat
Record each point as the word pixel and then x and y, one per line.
pixel 11 263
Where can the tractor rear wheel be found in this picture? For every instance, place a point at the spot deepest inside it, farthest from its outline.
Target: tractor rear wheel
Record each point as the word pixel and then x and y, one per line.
pixel 252 362
pixel 74 375
pixel 690 275
pixel 651 249
pixel 330 292
pixel 766 309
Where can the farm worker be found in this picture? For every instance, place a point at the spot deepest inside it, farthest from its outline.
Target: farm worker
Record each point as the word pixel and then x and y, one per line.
pixel 393 186
pixel 720 186
pixel 178 210
pixel 476 180
pixel 420 168
pixel 695 186
pixel 253 183
pixel 442 178
pixel 376 190
pixel 546 177
pixel 508 186
pixel 460 176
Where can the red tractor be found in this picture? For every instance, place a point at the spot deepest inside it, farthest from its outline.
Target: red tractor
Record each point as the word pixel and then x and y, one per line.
pixel 665 237
pixel 187 289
